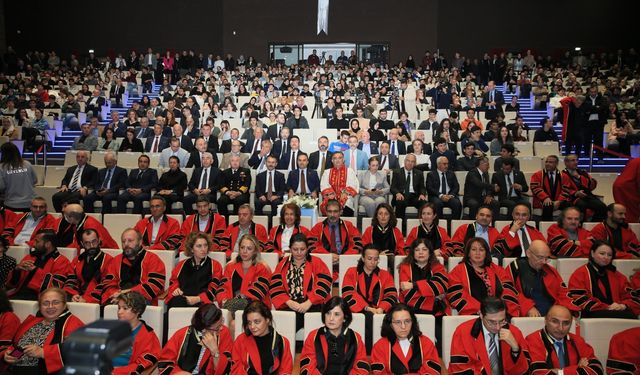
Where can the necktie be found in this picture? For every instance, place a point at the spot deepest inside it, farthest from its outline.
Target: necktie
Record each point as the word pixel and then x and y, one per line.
pixel 205 179
pixel 140 132
pixel 293 160
pixel 155 144
pixel 484 183
pixel 551 179
pixel 443 185
pixel 384 160
pixel 269 183
pixel 284 148
pixel 140 174
pixel 105 183
pixel 494 356
pixel 407 187
pixel 509 186
pixel 332 240
pixel 255 146
pixel 560 352
pixel 303 182
pixel 525 240
pixel 393 147
pixel 323 161
pixel 75 179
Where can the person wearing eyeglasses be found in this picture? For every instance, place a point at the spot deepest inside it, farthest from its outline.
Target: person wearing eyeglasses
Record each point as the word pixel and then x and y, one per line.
pixel 145 349
pixel 36 346
pixel 489 344
pixel 554 349
pixel 403 348
pixel 539 285
pixel 202 347
pixel 334 348
pixel 84 282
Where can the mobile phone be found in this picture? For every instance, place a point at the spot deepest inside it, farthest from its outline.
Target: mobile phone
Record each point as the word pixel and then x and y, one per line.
pixel 18 352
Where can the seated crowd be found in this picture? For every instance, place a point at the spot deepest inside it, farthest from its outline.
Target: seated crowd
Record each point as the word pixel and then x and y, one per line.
pixel 360 167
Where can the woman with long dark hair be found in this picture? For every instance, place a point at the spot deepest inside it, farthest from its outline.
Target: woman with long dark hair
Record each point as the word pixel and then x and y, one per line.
pixel 280 235
pixel 403 349
pixel 429 229
pixel 17 179
pixel 383 232
pixel 334 348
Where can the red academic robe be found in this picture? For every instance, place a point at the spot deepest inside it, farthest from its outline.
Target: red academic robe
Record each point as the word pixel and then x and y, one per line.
pixel 150 269
pixel 337 186
pixel 541 189
pixel 9 324
pixel 255 283
pixel 216 227
pixel 71 234
pixel 319 241
pixel 315 352
pixel 626 189
pixel 257 230
pixel 146 349
pixel 623 353
pixel 630 243
pixel 245 356
pixel 206 296
pixel 455 247
pixel 173 356
pixel 168 237
pixel 569 186
pixel 382 292
pixel 367 238
pixel 15 227
pixel 275 237
pixel 316 284
pixel 635 281
pixel 469 351
pixel 544 357
pixel 421 359
pixel 553 284
pixel 6 217
pixel 425 292
pixel 413 235
pixel 562 246
pixel 509 246
pixel 460 293
pixel 65 324
pixel 90 290
pixel 53 273
pixel 581 288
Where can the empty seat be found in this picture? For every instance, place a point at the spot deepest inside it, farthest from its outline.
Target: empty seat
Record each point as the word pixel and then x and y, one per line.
pixel 117 223
pixel 179 317
pixel 87 312
pixel 23 309
pixel 544 149
pixel 598 332
pixel 566 267
pixel 153 316
pixel 627 266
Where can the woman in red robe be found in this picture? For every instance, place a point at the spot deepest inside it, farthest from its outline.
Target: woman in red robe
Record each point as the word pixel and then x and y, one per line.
pixel 403 349
pixel 207 335
pixel 40 337
pixel 383 232
pixel 477 277
pixel 279 236
pixel 334 347
pixel 260 349
pixel 599 290
pixel 429 229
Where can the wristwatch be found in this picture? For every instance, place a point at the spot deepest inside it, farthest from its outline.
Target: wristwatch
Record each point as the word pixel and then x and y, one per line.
pixel 560 371
pixel 216 355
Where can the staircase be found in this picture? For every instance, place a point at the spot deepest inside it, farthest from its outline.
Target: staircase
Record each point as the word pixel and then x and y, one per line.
pixel 532 118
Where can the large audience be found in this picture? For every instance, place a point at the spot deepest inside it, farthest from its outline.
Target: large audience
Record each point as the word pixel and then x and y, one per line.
pixel 229 137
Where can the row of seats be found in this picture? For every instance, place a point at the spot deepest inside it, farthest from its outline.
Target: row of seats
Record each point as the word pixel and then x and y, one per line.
pixel 597 332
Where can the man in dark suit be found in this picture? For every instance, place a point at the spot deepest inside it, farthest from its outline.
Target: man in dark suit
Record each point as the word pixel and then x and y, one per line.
pixel 596 108
pixel 369 148
pixel 234 188
pixel 510 185
pixel 254 142
pixel 195 158
pixel 396 146
pixel 143 131
pixel 273 132
pixel 303 180
pixel 211 141
pixel 185 142
pixel 138 186
pixel 117 89
pixel 226 145
pixel 443 189
pixel 116 125
pixel 270 187
pixel 290 160
pixel 407 187
pixel 281 145
pixel 387 161
pixel 94 104
pixel 258 160
pixel 492 101
pixel 107 188
pixel 478 190
pixel 204 182
pixel 316 157
pixel 157 142
pixel 171 107
pixel 506 152
pixel 442 149
pixel 76 182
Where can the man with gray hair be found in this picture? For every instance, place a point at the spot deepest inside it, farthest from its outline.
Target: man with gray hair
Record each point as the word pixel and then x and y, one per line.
pixel 234 186
pixel 111 179
pixel 204 181
pixel 443 189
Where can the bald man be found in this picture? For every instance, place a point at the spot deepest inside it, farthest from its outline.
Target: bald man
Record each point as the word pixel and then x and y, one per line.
pixel 135 269
pixel 555 349
pixel 73 222
pixel 539 285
